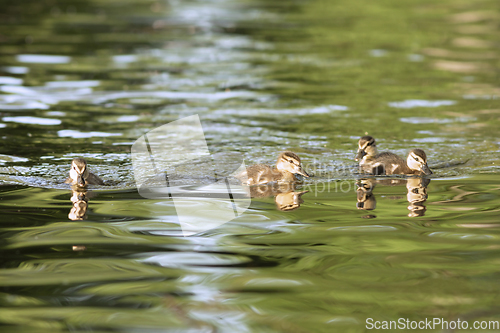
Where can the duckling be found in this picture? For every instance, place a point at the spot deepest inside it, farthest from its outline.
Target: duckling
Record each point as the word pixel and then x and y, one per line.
pixel 80 175
pixel 287 166
pixel 387 163
pixel 369 156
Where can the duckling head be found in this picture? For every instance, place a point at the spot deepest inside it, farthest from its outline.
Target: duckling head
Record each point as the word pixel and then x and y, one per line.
pixel 79 172
pixel 366 148
pixel 417 160
pixel 288 161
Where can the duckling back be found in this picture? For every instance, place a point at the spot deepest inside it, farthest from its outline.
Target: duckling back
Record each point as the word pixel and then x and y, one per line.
pixel 287 165
pixel 385 163
pixel 263 174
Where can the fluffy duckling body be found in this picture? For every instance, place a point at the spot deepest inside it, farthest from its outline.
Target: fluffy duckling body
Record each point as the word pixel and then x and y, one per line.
pixel 387 163
pixel 80 175
pixel 287 166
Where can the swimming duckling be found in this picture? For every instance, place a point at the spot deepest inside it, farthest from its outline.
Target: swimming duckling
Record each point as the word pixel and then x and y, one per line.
pixel 287 166
pixel 80 175
pixel 387 163
pixel 368 156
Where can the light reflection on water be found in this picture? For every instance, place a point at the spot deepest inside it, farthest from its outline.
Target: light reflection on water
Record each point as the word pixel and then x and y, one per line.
pixel 32 120
pixel 419 103
pixel 42 59
pixel 322 256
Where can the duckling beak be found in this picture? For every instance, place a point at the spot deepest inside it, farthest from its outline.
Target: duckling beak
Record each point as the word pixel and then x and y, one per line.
pixel 426 170
pixel 80 181
pixel 361 153
pixel 301 171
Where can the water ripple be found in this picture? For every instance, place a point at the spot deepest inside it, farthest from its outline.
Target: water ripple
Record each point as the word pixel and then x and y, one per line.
pixel 179 259
pixel 81 135
pixel 10 80
pixel 43 59
pixel 32 120
pixel 419 103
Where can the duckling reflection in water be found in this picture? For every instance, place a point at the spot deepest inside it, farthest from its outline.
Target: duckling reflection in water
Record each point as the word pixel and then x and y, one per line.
pixel 285 196
pixel 80 175
pixel 289 201
pixel 287 167
pixel 387 163
pixel 79 198
pixel 416 196
pixel 78 212
pixel 364 194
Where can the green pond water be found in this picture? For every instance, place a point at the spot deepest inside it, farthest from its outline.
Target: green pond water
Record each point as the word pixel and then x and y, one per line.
pixel 89 78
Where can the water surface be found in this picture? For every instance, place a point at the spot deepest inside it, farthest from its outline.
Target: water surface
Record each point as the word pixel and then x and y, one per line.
pixel 89 78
